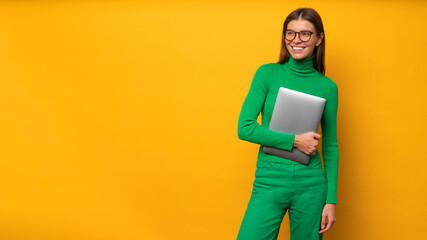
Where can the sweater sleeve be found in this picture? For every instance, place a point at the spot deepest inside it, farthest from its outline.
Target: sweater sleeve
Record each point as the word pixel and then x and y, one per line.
pixel 330 143
pixel 248 128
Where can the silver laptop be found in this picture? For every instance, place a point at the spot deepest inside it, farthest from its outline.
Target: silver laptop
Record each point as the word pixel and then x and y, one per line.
pixel 295 113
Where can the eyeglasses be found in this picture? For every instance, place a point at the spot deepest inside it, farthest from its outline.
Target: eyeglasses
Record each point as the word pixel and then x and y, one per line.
pixel 303 35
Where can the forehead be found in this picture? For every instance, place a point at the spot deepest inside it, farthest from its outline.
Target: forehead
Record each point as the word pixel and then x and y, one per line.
pixel 300 25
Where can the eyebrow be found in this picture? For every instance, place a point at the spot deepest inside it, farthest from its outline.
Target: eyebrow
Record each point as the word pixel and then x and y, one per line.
pixel 301 30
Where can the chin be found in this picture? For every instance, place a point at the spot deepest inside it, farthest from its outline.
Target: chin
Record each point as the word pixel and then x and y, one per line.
pixel 298 56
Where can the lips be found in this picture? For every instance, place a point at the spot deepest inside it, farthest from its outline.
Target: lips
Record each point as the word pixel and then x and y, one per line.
pixel 297 49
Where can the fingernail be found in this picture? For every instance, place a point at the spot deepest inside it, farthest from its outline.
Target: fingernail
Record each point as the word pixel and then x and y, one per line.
pixel 323 226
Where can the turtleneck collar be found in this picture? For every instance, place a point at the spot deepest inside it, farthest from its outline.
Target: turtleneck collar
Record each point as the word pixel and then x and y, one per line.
pixel 301 67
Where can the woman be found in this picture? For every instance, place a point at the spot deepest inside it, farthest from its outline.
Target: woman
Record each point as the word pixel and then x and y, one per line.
pixel 309 192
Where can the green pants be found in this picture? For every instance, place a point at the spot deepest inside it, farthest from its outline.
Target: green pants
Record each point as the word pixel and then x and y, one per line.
pixel 280 187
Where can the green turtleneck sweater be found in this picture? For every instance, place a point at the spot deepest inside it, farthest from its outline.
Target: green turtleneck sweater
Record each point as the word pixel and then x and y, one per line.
pixel 299 75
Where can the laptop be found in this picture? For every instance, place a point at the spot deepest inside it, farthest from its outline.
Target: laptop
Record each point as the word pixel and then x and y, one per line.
pixel 295 113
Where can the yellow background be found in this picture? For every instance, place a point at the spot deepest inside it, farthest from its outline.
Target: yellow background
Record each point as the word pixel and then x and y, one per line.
pixel 119 118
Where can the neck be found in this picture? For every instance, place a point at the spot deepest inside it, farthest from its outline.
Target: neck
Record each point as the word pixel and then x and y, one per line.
pixel 301 66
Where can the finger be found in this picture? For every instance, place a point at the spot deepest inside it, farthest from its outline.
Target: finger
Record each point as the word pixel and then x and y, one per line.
pixel 323 230
pixel 323 223
pixel 328 226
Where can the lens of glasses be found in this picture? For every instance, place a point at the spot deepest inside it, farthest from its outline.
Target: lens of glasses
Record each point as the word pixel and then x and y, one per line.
pixel 304 35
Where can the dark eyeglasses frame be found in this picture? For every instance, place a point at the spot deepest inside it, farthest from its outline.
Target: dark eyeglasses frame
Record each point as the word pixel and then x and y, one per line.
pixel 297 33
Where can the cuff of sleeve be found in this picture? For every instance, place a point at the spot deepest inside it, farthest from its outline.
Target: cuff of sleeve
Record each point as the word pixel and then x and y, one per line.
pixel 288 142
pixel 331 199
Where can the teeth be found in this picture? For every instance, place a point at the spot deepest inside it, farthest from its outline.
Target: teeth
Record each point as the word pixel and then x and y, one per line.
pixel 297 48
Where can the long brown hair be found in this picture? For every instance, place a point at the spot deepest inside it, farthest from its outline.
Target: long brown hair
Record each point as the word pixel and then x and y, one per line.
pixel 312 16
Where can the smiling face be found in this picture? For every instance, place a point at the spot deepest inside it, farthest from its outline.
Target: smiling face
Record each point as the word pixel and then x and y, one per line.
pixel 307 47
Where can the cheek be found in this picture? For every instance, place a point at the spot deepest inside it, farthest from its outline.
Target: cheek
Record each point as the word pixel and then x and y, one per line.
pixel 313 44
pixel 311 47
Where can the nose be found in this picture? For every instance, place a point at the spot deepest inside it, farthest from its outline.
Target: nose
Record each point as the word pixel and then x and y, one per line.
pixel 297 39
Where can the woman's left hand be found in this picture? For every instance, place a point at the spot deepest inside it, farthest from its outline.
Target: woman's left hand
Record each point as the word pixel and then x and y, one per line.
pixel 329 213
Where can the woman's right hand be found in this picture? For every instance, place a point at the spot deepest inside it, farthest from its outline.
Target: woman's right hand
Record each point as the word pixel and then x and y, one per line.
pixel 307 142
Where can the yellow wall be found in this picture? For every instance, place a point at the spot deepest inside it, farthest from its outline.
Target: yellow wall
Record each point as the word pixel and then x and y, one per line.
pixel 118 118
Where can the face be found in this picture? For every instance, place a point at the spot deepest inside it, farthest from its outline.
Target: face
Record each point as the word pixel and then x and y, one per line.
pixel 308 47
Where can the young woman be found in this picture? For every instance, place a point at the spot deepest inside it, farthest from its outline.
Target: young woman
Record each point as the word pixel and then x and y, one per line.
pixel 309 192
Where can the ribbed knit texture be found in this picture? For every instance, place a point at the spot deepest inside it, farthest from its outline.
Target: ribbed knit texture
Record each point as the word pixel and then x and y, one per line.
pixel 299 75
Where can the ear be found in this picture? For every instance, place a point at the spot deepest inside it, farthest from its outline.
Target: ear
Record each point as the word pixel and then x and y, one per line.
pixel 320 39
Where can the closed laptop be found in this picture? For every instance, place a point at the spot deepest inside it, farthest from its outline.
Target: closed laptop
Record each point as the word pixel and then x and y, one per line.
pixel 295 113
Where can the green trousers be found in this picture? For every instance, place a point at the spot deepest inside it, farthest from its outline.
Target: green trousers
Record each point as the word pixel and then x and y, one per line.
pixel 280 187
